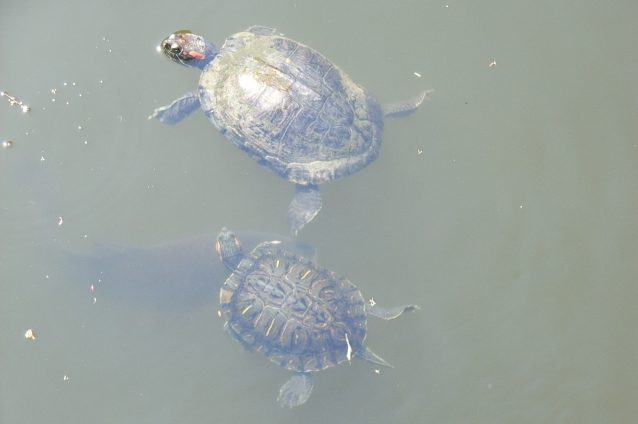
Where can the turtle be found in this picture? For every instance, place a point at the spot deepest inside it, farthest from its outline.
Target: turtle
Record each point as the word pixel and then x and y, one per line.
pixel 295 313
pixel 285 105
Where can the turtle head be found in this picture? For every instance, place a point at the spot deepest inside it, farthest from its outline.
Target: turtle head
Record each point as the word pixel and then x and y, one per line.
pixel 229 249
pixel 188 49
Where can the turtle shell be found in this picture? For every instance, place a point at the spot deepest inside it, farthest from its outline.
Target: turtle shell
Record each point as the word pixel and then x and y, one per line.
pixel 298 315
pixel 290 108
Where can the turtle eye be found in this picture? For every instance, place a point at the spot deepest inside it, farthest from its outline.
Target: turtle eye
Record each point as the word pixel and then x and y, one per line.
pixel 171 47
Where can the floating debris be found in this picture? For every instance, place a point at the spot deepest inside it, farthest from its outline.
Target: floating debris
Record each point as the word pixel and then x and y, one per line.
pixel 492 64
pixel 349 351
pixel 14 101
pixel 60 221
pixel 29 335
pixel 65 378
pixel 372 302
pixel 94 300
pixel 416 74
pixel 377 371
pixel 419 151
pixel 7 144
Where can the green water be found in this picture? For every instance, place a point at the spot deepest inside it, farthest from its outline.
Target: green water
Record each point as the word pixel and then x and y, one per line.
pixel 505 207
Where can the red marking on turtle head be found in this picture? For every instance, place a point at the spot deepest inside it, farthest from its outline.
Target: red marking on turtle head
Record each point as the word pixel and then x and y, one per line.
pixel 196 55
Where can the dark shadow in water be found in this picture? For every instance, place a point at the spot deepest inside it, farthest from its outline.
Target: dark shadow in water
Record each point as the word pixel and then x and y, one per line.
pixel 173 274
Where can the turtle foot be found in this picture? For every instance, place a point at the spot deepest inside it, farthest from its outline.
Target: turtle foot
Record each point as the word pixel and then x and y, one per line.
pixel 177 110
pixel 405 107
pixel 304 206
pixel 295 391
pixel 390 313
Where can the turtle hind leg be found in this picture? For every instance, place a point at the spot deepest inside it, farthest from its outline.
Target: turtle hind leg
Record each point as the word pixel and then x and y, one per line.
pixel 296 391
pixel 305 205
pixel 390 313
pixel 405 107
pixel 178 109
pixel 368 355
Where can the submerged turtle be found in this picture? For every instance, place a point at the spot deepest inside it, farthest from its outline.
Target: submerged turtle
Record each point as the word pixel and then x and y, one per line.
pixel 298 315
pixel 286 105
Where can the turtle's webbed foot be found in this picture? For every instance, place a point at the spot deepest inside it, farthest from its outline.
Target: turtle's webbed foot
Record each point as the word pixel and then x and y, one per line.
pixel 390 313
pixel 405 107
pixel 304 206
pixel 177 110
pixel 295 391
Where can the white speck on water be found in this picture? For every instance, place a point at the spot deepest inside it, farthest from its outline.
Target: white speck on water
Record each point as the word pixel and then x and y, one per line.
pixel 417 74
pixel 29 334
pixel 53 90
pixel 79 127
pixel 85 236
pixel 60 221
pixel 42 158
pixel 65 84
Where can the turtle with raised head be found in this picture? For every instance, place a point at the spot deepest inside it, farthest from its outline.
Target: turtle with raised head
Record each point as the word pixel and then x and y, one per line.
pixel 300 316
pixel 286 105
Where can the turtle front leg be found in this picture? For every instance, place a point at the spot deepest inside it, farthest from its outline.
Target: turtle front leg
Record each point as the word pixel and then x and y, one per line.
pixel 389 313
pixel 296 391
pixel 304 206
pixel 178 110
